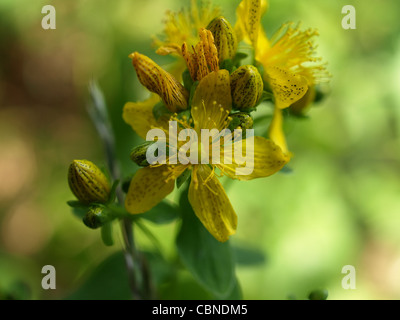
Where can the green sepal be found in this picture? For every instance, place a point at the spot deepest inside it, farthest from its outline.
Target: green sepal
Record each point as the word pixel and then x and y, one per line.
pixel 76 204
pixel 107 234
pixel 79 209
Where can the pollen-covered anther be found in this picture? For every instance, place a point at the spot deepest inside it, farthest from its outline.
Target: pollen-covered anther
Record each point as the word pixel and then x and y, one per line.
pixel 204 56
pixel 157 80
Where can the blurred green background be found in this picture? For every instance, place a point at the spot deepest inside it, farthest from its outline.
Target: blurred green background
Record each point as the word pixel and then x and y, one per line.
pixel 340 205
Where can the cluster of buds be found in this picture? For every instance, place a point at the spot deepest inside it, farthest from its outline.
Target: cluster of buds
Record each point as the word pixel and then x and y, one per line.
pixel 92 189
pixel 218 44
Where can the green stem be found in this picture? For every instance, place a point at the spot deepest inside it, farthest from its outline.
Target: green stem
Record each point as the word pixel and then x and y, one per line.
pixel 138 273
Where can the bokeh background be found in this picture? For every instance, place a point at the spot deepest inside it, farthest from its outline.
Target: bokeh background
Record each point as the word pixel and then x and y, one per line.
pixel 339 206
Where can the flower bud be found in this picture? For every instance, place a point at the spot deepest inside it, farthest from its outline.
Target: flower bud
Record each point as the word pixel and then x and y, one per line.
pixel 241 120
pixel 159 81
pixel 87 182
pixel 224 38
pixel 138 154
pixel 246 87
pixel 97 216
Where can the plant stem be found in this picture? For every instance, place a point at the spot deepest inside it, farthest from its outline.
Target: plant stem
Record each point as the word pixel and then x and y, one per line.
pixel 134 261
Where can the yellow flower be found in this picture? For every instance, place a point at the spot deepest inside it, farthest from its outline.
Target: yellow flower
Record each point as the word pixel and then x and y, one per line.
pixel 210 110
pixel 184 27
pixel 289 61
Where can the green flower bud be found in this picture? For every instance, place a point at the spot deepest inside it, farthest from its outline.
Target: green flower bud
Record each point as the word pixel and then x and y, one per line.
pixel 246 87
pixel 224 38
pixel 138 154
pixel 97 216
pixel 87 182
pixel 241 120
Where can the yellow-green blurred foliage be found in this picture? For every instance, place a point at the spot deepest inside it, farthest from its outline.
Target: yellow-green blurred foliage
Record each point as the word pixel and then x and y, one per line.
pixel 339 206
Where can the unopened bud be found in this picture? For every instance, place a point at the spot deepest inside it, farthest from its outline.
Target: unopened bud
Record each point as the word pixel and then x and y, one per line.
pixel 159 81
pixel 246 87
pixel 224 38
pixel 241 120
pixel 97 216
pixel 87 182
pixel 138 154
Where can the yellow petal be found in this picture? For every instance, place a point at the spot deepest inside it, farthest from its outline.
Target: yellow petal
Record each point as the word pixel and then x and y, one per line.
pixel 148 187
pixel 212 101
pixel 276 130
pixel 264 159
pixel 211 204
pixel 248 25
pixel 286 86
pixel 139 115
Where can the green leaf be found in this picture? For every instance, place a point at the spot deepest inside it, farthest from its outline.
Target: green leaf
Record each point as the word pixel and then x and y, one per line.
pixel 235 293
pixel 247 256
pixel 163 213
pixel 106 234
pixel 210 261
pixel 78 209
pixel 109 281
pixel 76 204
pixel 183 178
